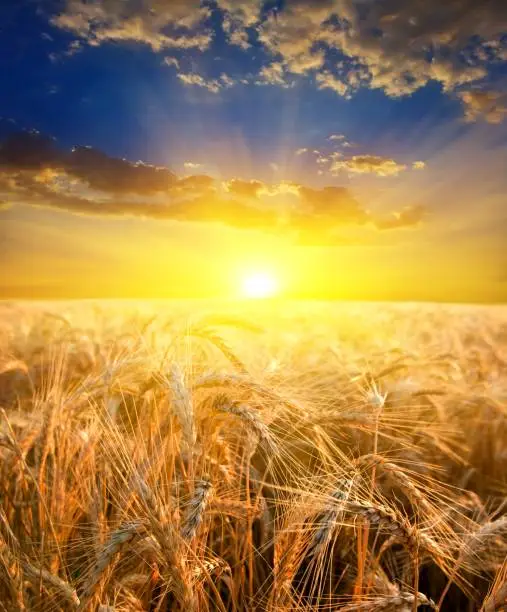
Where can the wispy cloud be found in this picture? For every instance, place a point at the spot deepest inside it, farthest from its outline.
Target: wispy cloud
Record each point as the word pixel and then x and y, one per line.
pixel 273 74
pixel 368 164
pixel 212 85
pixel 188 165
pixel 172 61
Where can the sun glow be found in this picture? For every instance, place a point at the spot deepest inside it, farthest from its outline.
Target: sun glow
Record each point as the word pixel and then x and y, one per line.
pixel 260 285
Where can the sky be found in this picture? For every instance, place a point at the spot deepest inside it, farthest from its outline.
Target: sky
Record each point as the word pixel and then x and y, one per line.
pixel 352 149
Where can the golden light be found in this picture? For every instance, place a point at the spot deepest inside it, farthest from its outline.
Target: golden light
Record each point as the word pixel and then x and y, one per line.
pixel 260 285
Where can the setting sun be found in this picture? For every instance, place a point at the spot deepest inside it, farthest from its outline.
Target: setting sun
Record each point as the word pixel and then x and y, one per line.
pixel 260 285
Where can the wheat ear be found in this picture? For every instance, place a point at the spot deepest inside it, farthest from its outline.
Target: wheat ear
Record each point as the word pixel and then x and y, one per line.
pixel 250 417
pixel 403 602
pixel 118 540
pixel 182 405
pixel 197 506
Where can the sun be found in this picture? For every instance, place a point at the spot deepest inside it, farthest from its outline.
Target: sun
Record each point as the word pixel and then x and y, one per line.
pixel 260 285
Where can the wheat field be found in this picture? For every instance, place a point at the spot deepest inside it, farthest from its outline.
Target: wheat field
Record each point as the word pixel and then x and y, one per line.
pixel 263 456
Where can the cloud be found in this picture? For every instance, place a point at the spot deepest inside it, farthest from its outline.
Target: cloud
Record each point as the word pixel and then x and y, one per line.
pixel 109 174
pixel 273 74
pixel 326 80
pixel 83 180
pixel 332 203
pixel 291 34
pixel 29 150
pixel 172 61
pixel 335 162
pixel 325 233
pixel 404 45
pixel 73 47
pixel 283 188
pixel 408 217
pixel 190 185
pixel 239 15
pixel 389 45
pixel 346 45
pixel 191 165
pixel 158 24
pixel 212 85
pixel 226 80
pixel 491 105
pixel 37 155
pixel 368 164
pixel 231 212
pixel 340 138
pixel 322 212
pixel 305 62
pixel 247 189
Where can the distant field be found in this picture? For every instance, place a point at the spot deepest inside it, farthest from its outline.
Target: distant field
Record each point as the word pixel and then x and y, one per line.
pixel 275 456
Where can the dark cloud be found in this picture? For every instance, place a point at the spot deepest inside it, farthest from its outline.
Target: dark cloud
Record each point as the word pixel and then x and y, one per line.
pixel 33 170
pixel 34 151
pixel 29 150
pixel 116 175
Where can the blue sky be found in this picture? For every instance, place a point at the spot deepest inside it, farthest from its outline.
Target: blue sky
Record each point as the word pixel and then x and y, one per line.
pixel 401 107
